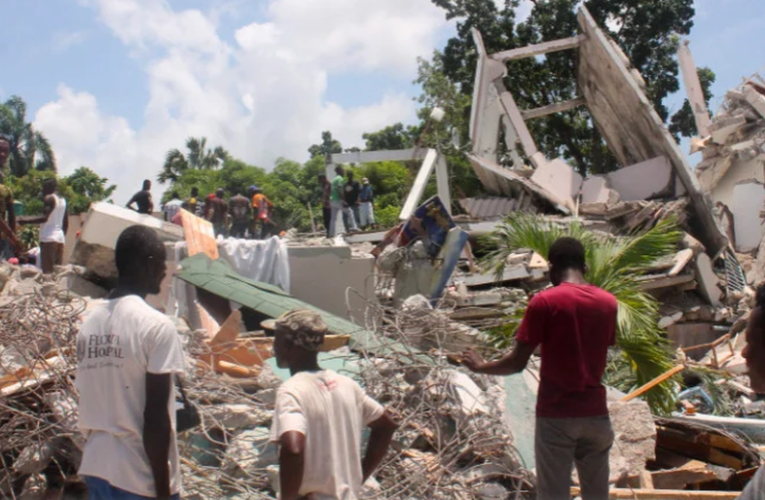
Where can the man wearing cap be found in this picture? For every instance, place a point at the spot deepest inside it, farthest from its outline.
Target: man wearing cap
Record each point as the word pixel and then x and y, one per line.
pixel 319 418
pixel 366 208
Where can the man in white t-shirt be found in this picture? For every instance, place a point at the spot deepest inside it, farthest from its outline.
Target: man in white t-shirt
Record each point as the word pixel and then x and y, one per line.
pixel 127 357
pixel 319 419
pixel 172 207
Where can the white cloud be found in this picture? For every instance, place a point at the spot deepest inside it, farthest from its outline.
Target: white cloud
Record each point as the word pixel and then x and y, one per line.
pixel 261 98
pixel 64 40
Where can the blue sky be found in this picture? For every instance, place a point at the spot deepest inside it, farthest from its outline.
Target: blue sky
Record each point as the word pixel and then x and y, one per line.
pixel 116 83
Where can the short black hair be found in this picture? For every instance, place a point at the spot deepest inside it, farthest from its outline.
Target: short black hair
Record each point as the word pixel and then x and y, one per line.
pixel 759 296
pixel 135 246
pixel 174 195
pixel 50 183
pixel 146 183
pixel 339 170
pixel 567 253
pixel 195 190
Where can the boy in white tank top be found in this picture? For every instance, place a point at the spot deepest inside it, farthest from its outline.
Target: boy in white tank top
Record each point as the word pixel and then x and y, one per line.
pixel 53 226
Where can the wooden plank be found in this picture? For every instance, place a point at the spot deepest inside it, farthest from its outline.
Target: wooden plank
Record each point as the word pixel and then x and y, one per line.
pixel 653 383
pixel 372 156
pixel 418 188
pixel 538 49
pixel 641 494
pixel 558 107
pixel 666 282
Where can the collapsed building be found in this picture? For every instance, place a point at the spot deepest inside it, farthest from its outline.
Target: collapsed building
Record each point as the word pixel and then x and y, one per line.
pixel 401 304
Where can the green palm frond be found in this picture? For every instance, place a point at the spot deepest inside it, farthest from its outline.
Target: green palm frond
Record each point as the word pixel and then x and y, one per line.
pixel 614 264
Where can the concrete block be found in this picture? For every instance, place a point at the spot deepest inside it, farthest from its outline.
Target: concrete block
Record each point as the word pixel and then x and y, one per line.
pixel 105 222
pixel 320 276
pixel 643 180
pixel 595 190
pixel 558 178
pixel 723 127
pixel 755 99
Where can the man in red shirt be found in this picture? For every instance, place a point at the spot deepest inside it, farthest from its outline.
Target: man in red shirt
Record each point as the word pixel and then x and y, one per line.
pixel 575 324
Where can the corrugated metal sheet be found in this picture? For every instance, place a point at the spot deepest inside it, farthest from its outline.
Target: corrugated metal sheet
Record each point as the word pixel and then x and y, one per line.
pixel 486 208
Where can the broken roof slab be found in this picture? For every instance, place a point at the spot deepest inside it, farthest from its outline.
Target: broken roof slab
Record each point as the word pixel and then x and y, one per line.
pixel 217 277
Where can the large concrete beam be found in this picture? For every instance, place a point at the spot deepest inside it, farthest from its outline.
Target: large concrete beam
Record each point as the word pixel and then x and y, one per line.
pixel 538 49
pixel 371 156
pixel 631 127
pixel 693 89
pixel 418 188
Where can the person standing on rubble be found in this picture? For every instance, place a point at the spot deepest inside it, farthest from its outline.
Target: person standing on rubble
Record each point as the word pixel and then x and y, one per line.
pixel 351 215
pixel 172 207
pixel 6 204
pixel 216 211
pixel 142 200
pixel 54 225
pixel 326 194
pixel 575 324
pixel 338 204
pixel 319 418
pixel 128 355
pixel 754 354
pixel 239 209
pixel 261 209
pixel 193 202
pixel 366 208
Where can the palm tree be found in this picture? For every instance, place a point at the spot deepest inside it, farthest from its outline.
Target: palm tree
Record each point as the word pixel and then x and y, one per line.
pixel 199 157
pixel 25 142
pixel 614 264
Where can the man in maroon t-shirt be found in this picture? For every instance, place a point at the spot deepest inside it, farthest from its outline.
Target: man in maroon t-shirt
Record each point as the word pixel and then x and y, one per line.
pixel 574 323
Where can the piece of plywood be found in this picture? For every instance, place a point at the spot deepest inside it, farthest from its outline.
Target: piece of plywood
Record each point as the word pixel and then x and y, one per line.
pixel 199 235
pixel 558 107
pixel 630 125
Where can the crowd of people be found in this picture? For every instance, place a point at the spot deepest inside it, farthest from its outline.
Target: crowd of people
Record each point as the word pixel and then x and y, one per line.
pixel 239 217
pixel 250 216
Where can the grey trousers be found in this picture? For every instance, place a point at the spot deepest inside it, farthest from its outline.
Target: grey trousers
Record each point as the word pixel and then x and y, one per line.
pixel 562 442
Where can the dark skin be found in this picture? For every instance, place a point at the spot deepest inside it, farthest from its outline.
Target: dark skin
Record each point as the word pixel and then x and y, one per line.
pixel 49 204
pixel 754 351
pixel 9 204
pixel 146 187
pixel 157 430
pixel 292 443
pixel 516 360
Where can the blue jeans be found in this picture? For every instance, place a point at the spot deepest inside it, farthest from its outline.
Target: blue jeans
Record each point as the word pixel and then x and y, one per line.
pixel 98 489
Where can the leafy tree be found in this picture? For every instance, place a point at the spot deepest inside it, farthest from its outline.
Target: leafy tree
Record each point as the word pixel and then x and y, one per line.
pixel 683 123
pixel 87 187
pixel 614 264
pixel 25 142
pixel 199 157
pixel 391 138
pixel 80 189
pixel 646 31
pixel 327 147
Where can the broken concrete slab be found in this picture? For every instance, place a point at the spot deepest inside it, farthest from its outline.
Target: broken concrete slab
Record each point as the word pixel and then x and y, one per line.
pixel 755 99
pixel 94 249
pixel 724 127
pixel 642 181
pixel 634 440
pixel 708 280
pixel 559 178
pixel 748 203
pixel 596 190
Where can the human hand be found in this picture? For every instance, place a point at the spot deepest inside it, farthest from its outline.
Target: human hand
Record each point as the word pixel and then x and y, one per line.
pixel 471 360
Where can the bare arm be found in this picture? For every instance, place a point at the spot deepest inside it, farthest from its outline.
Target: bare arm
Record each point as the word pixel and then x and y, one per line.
pixel 379 441
pixel 66 220
pixel 49 205
pixel 130 204
pixel 291 464
pixel 513 362
pixel 157 430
